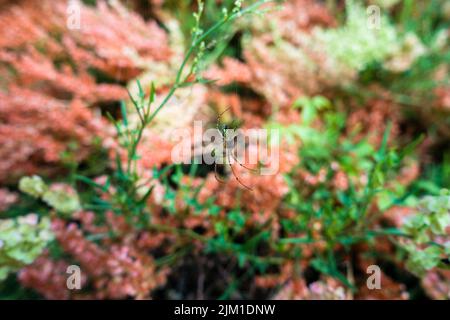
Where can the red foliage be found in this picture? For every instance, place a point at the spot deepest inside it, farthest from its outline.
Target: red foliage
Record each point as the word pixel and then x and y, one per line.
pixel 52 77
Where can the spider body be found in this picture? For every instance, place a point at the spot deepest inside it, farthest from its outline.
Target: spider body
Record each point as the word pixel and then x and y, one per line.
pixel 227 141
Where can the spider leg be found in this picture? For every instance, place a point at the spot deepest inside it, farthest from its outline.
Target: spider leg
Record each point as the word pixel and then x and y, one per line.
pixel 243 166
pixel 216 175
pixel 236 176
pixel 233 154
pixel 219 117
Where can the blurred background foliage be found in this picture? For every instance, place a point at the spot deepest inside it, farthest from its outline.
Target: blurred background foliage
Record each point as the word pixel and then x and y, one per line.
pixel 364 152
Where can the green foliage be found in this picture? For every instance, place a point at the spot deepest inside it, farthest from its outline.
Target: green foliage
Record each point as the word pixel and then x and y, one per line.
pixel 344 214
pixel 353 181
pixel 367 45
pixel 59 200
pixel 229 228
pixel 34 186
pixel 22 240
pixel 432 221
pixel 129 200
pixel 421 260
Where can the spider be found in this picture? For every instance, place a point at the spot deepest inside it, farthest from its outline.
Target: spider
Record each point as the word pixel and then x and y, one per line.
pixel 226 140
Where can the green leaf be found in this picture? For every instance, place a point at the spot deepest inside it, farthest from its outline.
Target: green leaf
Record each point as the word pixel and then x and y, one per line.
pixel 123 109
pixel 152 93
pixel 296 240
pixel 141 91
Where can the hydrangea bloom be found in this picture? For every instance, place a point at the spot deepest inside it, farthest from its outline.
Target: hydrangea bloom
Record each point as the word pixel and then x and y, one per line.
pixel 22 240
pixel 62 198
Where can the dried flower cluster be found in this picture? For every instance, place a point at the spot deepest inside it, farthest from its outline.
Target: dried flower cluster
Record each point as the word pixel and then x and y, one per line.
pixel 54 78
